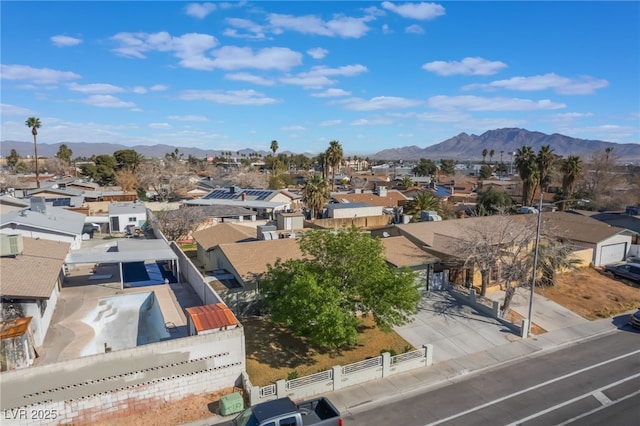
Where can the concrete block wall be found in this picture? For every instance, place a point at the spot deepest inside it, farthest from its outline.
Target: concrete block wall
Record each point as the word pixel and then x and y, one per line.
pixel 85 390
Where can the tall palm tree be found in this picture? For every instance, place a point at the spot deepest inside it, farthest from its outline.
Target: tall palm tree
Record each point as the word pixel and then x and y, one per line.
pixel 491 154
pixel 571 170
pixel 334 157
pixel 274 148
pixel 528 170
pixel 545 163
pixel 34 124
pixel 485 152
pixel 315 194
pixel 322 161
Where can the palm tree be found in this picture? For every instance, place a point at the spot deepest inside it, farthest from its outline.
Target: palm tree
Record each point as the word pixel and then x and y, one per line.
pixel 491 154
pixel 423 201
pixel 315 194
pixel 554 257
pixel 545 163
pixel 407 182
pixel 485 152
pixel 571 170
pixel 528 170
pixel 334 158
pixel 34 124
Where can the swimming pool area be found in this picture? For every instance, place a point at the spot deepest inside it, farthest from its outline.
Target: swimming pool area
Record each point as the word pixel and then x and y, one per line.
pixel 142 274
pixel 125 321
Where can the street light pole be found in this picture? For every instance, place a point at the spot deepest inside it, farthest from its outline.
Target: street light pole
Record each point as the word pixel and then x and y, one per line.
pixel 535 267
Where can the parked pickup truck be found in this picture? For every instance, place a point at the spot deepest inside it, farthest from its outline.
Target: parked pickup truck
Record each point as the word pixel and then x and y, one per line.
pixel 283 412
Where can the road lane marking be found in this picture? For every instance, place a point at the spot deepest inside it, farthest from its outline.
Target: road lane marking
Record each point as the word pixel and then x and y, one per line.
pixel 529 389
pixel 577 398
pixel 595 410
pixel 604 399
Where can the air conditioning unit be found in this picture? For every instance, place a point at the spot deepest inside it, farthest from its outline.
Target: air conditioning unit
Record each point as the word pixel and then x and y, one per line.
pixel 11 245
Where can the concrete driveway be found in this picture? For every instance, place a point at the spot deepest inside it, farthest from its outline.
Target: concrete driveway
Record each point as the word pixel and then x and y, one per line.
pixel 453 328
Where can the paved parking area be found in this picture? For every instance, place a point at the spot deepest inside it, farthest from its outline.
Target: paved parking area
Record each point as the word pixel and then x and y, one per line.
pixel 453 328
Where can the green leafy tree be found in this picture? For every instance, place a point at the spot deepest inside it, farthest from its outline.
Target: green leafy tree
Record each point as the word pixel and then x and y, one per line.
pixel 343 275
pixel 407 182
pixel 491 202
pixel 485 171
pixel 103 171
pixel 448 167
pixel 315 194
pixel 64 154
pixel 127 159
pixel 13 159
pixel 334 157
pixel 425 167
pixel 34 124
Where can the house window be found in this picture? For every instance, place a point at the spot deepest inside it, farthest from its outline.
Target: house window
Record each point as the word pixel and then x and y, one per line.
pixel 42 304
pixel 132 219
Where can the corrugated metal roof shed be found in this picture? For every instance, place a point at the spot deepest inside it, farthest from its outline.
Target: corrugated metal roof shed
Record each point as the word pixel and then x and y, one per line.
pixel 211 317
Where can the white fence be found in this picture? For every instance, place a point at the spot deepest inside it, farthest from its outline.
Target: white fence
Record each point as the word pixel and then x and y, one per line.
pixel 340 377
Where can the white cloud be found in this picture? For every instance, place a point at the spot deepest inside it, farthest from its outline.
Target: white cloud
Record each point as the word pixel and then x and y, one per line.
pixel 189 48
pixel 255 31
pixel 96 88
pixel 294 127
pixel 249 78
pixel 35 75
pixel 229 97
pixel 468 66
pixel 378 103
pixel 331 93
pixel 414 29
pixel 65 41
pixel 569 116
pixel 329 123
pixel 160 125
pixel 159 88
pixel 420 11
pixel 583 85
pixel 476 103
pixel 318 76
pixel 339 26
pixel 107 101
pixel 8 109
pixel 200 10
pixel 386 29
pixel 317 52
pixel 371 121
pixel 198 118
pixel 278 58
pixel 139 90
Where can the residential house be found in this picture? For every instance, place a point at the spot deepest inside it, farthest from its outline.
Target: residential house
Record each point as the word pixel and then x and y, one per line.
pixel 31 281
pixel 382 197
pixel 44 221
pixel 9 203
pixel 400 252
pixel 265 202
pixel 59 197
pixel 122 215
pixel 210 238
pixel 352 210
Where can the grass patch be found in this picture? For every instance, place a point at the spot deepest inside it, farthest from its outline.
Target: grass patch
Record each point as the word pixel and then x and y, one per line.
pixel 273 353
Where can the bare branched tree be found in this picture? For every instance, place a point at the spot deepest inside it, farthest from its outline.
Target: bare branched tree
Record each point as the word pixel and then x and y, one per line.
pixel 180 223
pixel 168 178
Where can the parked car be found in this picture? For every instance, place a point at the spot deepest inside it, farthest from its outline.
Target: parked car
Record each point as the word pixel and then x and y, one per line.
pixel 283 411
pixel 634 319
pixel 630 271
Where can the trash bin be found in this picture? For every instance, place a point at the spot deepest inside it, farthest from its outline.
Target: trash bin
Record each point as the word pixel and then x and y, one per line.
pixel 231 404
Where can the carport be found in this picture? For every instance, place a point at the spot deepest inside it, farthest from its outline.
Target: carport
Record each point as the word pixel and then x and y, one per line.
pixel 128 251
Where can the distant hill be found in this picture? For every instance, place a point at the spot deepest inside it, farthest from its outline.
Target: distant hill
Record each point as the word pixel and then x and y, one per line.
pixel 469 147
pixel 85 149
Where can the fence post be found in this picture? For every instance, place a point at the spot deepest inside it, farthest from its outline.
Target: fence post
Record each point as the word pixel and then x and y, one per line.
pixel 428 353
pixel 386 364
pixel 337 377
pixel 281 389
pixel 495 306
pixel 524 326
pixel 472 297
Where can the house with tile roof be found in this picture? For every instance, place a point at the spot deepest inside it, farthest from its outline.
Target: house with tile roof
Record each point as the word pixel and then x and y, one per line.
pixel 31 281
pixel 208 239
pixel 401 252
pixel 382 197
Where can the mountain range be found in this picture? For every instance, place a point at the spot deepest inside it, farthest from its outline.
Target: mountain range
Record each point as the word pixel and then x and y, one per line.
pixel 461 147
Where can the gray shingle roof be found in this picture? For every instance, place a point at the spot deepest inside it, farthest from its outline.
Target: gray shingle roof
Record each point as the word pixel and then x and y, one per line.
pixel 54 219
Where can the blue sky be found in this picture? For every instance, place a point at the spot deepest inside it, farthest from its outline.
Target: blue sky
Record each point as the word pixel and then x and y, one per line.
pixel 372 75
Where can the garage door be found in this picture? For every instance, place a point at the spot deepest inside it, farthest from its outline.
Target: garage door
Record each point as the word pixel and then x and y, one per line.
pixel 612 253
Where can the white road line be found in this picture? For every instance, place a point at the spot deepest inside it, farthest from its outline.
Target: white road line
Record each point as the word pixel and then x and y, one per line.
pixel 577 398
pixel 520 392
pixel 595 410
pixel 604 400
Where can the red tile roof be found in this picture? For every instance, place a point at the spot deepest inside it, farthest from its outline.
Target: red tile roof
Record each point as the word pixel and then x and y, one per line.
pixel 211 317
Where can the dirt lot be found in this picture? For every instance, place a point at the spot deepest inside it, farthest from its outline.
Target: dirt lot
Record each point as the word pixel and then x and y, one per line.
pixel 587 292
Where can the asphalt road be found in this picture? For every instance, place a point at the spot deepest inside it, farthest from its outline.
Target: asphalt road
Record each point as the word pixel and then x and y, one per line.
pixel 595 382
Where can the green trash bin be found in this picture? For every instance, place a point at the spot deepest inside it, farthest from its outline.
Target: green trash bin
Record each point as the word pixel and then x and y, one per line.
pixel 231 404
